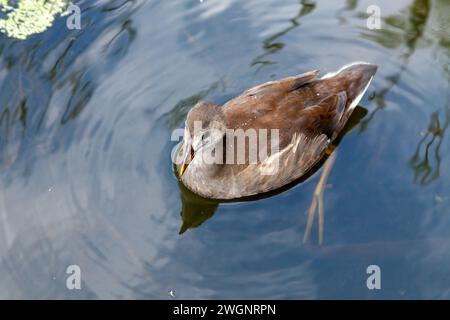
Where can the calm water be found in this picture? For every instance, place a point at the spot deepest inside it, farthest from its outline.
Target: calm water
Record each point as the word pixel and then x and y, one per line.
pixel 86 178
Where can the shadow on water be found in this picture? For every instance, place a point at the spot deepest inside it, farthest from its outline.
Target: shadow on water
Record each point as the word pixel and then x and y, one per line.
pixel 195 209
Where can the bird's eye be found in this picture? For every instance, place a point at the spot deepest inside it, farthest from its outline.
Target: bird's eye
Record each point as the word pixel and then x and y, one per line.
pixel 205 137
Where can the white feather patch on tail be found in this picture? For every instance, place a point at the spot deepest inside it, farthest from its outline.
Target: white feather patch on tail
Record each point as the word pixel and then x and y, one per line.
pixel 359 96
pixel 332 74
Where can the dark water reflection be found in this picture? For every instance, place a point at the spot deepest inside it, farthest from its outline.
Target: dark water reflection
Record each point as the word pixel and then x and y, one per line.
pixel 85 123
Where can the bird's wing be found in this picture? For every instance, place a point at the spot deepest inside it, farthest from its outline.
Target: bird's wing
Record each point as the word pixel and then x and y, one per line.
pixel 265 106
pixel 287 165
pixel 324 117
pixel 282 86
pixel 266 95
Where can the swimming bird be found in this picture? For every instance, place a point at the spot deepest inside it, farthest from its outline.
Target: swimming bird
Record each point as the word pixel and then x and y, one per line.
pixel 300 115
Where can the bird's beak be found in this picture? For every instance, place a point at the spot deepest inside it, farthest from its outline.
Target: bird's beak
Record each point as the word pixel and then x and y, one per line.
pixel 187 157
pixel 183 168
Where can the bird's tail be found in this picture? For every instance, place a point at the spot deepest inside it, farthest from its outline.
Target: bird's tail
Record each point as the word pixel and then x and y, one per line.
pixel 358 76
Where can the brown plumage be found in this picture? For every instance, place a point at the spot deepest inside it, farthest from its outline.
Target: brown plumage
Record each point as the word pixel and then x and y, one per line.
pixel 308 113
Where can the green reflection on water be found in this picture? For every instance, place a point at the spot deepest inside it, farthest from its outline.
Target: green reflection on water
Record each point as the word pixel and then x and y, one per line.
pixel 271 45
pixel 179 112
pixel 406 32
pixel 400 31
pixel 29 85
pixel 424 173
pixel 29 17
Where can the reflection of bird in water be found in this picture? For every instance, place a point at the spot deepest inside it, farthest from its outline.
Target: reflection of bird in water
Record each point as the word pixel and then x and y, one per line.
pixel 307 113
pixel 196 210
pixel 317 201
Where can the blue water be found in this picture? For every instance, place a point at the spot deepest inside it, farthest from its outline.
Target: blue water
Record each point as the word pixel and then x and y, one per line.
pixel 86 177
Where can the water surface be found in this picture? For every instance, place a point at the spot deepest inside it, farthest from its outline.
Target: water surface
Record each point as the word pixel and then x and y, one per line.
pixel 86 178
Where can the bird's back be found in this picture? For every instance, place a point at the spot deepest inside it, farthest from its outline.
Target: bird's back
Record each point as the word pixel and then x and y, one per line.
pixel 301 104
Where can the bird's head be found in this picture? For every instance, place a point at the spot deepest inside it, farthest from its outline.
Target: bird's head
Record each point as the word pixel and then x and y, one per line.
pixel 204 130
